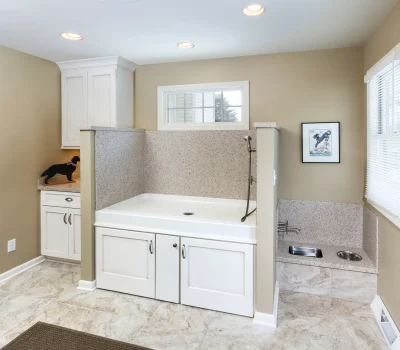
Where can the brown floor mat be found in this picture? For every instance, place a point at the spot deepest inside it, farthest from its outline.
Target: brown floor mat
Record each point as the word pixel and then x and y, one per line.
pixel 43 336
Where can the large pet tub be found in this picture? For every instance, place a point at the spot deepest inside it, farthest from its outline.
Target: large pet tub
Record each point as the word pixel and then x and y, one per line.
pixel 198 217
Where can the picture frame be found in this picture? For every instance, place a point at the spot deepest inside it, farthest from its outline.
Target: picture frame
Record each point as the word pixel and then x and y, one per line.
pixel 320 142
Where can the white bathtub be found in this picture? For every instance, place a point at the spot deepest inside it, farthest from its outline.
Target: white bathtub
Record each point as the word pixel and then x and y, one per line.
pixel 216 219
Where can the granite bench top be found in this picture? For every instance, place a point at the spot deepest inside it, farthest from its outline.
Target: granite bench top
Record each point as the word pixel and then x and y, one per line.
pixel 68 187
pixel 329 259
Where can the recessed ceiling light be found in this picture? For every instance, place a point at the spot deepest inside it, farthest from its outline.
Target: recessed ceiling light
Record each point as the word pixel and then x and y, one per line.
pixel 185 45
pixel 253 10
pixel 71 36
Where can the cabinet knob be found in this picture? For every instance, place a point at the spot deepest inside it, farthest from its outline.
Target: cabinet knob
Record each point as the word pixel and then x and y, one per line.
pixel 174 245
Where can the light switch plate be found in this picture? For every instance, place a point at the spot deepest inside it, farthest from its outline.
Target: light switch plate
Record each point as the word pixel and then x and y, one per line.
pixel 12 245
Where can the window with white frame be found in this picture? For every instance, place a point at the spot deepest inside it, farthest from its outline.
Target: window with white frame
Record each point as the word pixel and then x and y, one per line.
pixel 215 106
pixel 383 154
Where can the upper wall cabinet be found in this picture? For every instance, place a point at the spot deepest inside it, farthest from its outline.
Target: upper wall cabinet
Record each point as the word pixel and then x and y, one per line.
pixel 95 92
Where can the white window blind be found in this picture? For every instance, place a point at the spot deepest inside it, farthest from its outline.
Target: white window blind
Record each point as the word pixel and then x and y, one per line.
pixel 383 154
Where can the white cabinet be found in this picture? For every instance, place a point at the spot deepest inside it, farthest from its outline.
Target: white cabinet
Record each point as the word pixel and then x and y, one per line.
pixel 60 225
pixel 55 232
pixel 217 276
pixel 95 92
pixel 74 105
pixel 125 261
pixel 102 96
pixel 167 268
pixel 204 273
pixel 74 234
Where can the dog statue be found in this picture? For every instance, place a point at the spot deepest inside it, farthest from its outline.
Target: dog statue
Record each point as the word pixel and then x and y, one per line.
pixel 63 169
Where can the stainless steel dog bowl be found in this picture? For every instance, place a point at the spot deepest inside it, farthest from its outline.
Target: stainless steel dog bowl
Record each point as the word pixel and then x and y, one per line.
pixel 347 255
pixel 305 251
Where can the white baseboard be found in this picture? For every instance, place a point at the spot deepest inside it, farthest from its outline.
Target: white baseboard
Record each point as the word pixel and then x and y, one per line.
pixel 87 286
pixel 269 320
pixel 21 268
pixel 392 334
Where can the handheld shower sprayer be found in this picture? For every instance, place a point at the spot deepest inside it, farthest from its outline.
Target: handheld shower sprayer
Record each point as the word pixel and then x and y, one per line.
pixel 248 140
pixel 251 180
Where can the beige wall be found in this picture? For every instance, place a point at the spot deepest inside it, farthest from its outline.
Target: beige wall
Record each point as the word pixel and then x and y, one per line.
pixel 29 142
pixel 289 89
pixel 88 205
pixel 387 37
pixel 267 200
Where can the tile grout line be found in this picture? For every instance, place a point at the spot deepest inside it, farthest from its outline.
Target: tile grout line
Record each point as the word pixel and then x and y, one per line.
pixel 208 326
pixel 147 322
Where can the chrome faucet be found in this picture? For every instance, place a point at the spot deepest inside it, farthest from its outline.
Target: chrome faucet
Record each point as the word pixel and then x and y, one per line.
pixel 284 227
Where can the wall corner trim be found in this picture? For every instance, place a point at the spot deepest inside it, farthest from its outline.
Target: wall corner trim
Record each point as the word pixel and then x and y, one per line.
pixel 87 286
pixel 387 326
pixel 21 268
pixel 269 320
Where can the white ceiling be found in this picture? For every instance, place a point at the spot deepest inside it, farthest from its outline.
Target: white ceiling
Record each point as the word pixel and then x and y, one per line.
pixel 147 31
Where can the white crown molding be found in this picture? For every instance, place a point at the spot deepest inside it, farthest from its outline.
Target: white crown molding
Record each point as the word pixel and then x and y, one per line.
pixel 269 320
pixel 111 61
pixel 87 286
pixel 21 268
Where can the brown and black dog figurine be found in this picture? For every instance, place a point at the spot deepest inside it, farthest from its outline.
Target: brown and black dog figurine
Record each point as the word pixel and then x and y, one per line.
pixel 63 169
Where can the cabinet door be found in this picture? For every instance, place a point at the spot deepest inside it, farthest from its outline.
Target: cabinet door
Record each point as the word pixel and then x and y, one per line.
pixel 102 96
pixel 217 275
pixel 74 106
pixel 167 268
pixel 125 261
pixel 54 232
pixel 74 236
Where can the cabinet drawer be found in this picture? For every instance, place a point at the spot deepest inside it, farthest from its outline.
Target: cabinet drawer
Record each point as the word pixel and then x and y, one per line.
pixel 61 199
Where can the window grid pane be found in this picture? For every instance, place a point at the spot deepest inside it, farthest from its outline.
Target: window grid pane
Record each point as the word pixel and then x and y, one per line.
pixel 204 107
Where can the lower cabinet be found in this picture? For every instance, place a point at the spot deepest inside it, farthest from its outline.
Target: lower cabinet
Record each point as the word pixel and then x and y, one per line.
pixel 209 274
pixel 126 261
pixel 217 275
pixel 61 232
pixel 60 221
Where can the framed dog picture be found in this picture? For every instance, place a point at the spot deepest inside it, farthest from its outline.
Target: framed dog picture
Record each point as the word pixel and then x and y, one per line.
pixel 320 142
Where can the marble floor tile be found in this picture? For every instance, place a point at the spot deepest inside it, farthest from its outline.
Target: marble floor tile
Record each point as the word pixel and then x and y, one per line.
pixel 305 279
pixel 300 333
pixel 231 332
pixel 118 304
pixel 48 293
pixel 360 335
pixel 352 285
pixel 46 279
pixel 14 309
pixel 305 305
pixel 175 326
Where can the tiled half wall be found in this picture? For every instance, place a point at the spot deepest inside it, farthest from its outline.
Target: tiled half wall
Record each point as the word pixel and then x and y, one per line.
pixel 199 163
pixel 188 163
pixel 341 284
pixel 119 165
pixel 337 224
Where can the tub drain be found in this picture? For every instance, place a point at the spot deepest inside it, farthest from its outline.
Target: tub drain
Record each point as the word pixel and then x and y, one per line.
pixel 187 213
